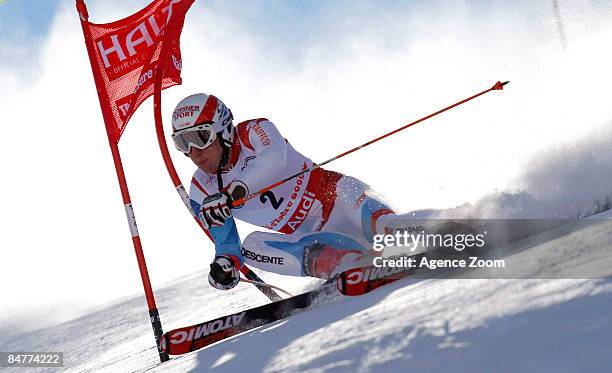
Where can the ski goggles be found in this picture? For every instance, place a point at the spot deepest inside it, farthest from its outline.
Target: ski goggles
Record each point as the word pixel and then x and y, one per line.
pixel 199 137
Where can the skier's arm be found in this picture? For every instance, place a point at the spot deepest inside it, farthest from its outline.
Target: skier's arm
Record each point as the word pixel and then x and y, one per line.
pixel 226 238
pixel 227 241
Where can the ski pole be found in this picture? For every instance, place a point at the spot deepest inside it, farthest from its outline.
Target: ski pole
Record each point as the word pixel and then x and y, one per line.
pixel 496 87
pixel 242 279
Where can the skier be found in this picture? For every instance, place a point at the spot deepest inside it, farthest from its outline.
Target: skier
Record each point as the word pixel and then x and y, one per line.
pixel 328 219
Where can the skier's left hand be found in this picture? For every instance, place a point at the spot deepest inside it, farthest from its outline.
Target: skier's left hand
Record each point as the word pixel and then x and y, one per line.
pixel 223 273
pixel 216 209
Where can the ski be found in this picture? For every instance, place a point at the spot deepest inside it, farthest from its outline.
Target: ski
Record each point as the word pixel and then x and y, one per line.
pixel 362 280
pixel 190 338
pixel 356 281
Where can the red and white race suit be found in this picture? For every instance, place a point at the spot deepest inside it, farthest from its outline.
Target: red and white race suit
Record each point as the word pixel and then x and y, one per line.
pixel 303 207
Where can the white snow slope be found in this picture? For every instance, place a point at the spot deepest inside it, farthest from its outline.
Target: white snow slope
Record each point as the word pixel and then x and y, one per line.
pixel 439 325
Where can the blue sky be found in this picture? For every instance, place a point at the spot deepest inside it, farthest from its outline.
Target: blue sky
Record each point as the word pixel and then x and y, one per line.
pixel 282 24
pixel 24 26
pixel 26 22
pixel 31 16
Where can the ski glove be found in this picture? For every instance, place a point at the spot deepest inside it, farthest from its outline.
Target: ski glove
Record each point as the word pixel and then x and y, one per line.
pixel 223 273
pixel 216 209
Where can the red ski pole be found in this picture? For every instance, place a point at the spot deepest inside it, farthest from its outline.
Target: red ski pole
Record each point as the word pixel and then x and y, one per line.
pixel 496 87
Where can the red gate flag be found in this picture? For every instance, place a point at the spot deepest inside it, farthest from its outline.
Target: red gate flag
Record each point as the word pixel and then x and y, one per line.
pixel 125 56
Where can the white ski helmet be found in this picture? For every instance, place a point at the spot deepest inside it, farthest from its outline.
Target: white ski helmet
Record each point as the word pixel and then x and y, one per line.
pixel 201 108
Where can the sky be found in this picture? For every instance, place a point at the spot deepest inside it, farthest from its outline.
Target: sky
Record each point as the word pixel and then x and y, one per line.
pixel 331 75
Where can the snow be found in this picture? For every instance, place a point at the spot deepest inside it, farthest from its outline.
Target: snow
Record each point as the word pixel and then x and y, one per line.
pixel 467 325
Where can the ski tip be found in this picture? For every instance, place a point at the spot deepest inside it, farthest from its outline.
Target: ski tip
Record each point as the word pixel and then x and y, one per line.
pixel 500 86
